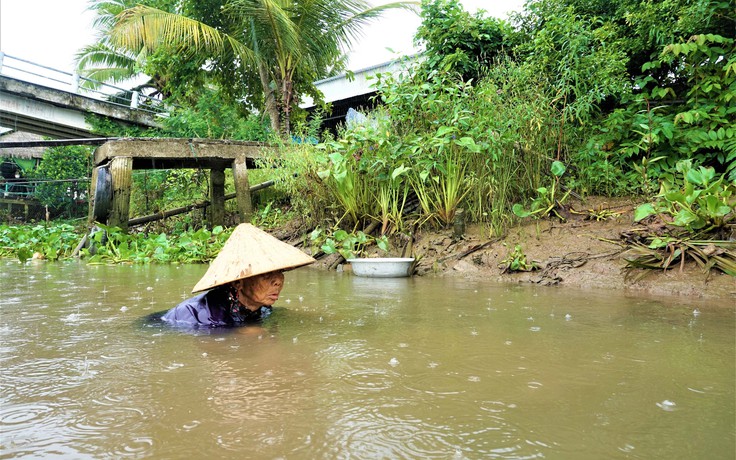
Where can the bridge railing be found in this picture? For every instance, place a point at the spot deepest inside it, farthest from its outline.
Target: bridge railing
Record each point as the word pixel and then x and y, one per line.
pixel 31 72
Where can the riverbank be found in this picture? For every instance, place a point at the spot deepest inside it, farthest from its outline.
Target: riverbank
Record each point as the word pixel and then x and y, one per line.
pixel 585 251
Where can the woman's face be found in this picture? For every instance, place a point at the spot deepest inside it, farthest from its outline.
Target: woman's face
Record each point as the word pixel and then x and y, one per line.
pixel 260 290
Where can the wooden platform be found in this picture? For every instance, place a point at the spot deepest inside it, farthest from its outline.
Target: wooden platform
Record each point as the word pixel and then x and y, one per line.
pixel 118 158
pixel 180 153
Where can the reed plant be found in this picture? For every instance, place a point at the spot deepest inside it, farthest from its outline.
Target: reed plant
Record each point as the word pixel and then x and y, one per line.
pixel 441 181
pixel 393 190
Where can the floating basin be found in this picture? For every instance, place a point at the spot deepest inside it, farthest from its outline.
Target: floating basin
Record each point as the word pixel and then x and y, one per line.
pixel 382 267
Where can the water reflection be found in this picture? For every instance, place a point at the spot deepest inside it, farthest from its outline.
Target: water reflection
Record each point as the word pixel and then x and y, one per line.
pixel 350 367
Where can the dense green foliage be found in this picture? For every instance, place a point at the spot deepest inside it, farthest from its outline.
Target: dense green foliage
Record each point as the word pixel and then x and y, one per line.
pixel 213 117
pixel 646 84
pixel 440 142
pixel 64 174
pixel 455 41
pixel 597 97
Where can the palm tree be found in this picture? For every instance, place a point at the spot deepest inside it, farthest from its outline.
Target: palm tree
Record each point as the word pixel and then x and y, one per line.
pixel 285 44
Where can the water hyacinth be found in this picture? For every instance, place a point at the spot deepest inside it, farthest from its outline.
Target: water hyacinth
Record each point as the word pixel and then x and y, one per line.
pixel 109 245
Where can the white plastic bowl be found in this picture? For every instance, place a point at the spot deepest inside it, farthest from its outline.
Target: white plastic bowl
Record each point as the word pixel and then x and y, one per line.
pixel 382 267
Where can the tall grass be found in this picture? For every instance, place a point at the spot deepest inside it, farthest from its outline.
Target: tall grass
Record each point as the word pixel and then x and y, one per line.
pixel 439 141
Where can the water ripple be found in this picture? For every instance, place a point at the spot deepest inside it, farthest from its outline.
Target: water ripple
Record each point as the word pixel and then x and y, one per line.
pixel 21 414
pixel 369 380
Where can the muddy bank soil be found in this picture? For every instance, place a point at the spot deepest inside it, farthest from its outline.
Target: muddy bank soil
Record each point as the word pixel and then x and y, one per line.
pixel 581 252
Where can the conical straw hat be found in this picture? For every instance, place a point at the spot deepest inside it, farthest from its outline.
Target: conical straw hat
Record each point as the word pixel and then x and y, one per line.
pixel 249 252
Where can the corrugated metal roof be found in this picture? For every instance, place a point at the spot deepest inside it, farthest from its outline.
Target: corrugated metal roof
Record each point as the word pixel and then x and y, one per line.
pixel 340 87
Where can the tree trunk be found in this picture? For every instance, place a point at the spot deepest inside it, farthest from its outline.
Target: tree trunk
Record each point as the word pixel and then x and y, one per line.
pixel 269 99
pixel 286 95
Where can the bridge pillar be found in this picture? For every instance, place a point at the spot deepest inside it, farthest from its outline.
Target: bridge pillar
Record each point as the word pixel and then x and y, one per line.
pixel 242 189
pixel 92 196
pixel 217 197
pixel 121 171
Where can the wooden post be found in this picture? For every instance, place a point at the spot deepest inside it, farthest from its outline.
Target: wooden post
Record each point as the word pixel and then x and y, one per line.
pixel 217 197
pixel 242 189
pixel 121 171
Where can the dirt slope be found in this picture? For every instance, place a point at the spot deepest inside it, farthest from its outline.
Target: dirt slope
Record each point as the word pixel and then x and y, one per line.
pixel 580 252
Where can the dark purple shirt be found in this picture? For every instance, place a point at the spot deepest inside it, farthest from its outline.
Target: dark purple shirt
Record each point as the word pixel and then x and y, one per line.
pixel 218 307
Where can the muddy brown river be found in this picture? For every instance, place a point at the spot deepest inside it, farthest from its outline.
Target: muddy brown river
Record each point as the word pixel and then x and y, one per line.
pixel 360 368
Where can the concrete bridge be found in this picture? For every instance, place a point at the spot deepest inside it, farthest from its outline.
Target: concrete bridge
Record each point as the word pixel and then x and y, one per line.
pixel 49 102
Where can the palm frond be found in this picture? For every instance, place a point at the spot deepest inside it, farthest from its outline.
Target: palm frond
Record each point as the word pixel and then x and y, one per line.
pixel 101 63
pixel 143 27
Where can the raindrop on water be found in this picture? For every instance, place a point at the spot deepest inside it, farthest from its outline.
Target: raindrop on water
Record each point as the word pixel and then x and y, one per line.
pixel 667 405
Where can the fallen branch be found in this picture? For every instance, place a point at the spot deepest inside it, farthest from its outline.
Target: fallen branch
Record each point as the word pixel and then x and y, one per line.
pixel 473 249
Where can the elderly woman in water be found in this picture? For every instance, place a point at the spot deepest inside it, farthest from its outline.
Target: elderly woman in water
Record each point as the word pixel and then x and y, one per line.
pixel 242 283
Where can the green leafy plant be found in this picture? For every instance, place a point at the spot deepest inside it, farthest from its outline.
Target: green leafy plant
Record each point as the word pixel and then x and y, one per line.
pixel 696 200
pixel 270 216
pixel 546 202
pixel 443 184
pixel 342 177
pixel 516 261
pixel 697 208
pixel 348 245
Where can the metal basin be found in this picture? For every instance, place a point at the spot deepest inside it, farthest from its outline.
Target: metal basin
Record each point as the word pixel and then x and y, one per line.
pixel 383 267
